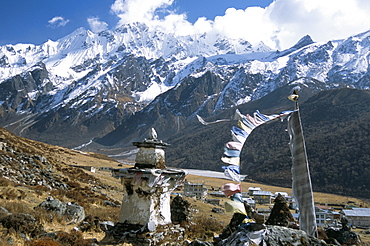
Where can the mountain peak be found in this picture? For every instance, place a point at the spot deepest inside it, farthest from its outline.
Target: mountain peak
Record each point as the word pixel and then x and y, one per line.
pixel 304 41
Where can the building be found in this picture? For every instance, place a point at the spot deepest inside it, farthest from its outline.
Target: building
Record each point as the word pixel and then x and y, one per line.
pixel 105 169
pixel 251 202
pixel 197 190
pixel 262 197
pixel 284 194
pixel 88 168
pixel 217 193
pixel 253 189
pixel 324 216
pixel 357 216
pixel 215 202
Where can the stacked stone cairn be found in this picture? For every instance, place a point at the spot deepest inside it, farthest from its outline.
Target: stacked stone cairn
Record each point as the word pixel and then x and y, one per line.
pixel 145 216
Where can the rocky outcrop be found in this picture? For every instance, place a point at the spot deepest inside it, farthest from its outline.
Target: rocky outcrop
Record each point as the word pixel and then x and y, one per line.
pixel 271 236
pixel 280 214
pixel 343 236
pixel 28 169
pixel 72 212
pixel 24 91
pixel 138 235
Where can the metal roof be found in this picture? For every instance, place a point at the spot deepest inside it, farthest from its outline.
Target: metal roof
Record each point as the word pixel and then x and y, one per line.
pixel 357 212
pixel 262 193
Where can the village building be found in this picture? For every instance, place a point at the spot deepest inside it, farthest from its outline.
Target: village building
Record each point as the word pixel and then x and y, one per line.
pixel 197 190
pixel 357 216
pixel 217 194
pixel 244 194
pixel 215 202
pixel 105 169
pixel 292 203
pixel 284 194
pixel 324 216
pixel 251 202
pixel 262 197
pixel 253 189
pixel 87 168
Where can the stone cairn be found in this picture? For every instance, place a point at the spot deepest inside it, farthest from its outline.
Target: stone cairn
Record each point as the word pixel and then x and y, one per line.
pixel 145 216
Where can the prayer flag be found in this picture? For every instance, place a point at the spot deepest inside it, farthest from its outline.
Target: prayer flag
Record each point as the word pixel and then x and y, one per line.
pixel 230 189
pixel 234 145
pixel 231 160
pixel 232 172
pixel 301 185
pixel 231 152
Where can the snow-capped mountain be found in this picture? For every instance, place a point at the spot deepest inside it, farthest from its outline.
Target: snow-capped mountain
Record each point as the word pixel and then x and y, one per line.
pixel 87 85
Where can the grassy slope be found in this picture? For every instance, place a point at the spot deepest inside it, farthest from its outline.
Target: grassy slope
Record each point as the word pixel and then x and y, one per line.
pixel 18 198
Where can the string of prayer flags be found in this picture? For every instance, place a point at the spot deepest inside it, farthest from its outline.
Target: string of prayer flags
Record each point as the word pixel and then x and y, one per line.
pixel 239 134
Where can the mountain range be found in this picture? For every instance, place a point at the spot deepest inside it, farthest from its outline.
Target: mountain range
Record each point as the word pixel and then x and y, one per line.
pixel 102 91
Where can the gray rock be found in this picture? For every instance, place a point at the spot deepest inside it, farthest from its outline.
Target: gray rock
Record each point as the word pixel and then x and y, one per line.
pixel 280 214
pixel 52 235
pixel 72 211
pixel 106 225
pixel 53 205
pixel 343 236
pixel 272 235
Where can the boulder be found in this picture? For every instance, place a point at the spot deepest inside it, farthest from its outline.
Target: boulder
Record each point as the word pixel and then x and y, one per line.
pixel 343 237
pixel 272 235
pixel 53 205
pixel 72 212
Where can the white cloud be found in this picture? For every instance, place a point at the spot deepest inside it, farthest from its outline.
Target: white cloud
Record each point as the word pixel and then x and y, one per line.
pixel 279 25
pixel 96 25
pixel 139 10
pixel 57 21
pixel 323 20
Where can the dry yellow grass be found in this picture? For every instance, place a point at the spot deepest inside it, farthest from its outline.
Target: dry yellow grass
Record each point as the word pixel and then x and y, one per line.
pixel 31 197
pixel 319 197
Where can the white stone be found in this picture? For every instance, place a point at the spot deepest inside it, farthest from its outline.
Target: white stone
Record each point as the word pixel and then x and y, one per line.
pixel 152 156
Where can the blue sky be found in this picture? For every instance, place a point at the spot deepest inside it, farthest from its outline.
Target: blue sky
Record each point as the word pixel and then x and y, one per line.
pixel 26 21
pixel 278 23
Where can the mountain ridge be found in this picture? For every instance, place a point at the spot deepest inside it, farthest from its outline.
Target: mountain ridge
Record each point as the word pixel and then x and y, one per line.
pixel 336 130
pixel 89 86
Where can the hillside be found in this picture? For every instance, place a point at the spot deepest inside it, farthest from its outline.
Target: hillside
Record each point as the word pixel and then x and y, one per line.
pixel 37 165
pixel 32 171
pixel 337 133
